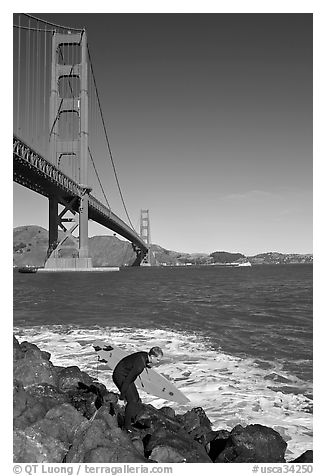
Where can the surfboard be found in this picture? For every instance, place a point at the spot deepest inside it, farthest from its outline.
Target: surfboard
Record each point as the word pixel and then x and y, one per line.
pixel 148 381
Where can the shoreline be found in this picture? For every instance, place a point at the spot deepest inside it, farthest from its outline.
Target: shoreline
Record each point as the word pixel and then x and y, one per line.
pixel 48 397
pixel 232 390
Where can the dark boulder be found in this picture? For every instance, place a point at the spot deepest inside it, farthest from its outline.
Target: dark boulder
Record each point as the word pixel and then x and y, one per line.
pixel 197 424
pixel 168 454
pixel 19 399
pixel 48 395
pixel 17 352
pixel 26 408
pixel 166 446
pixel 30 446
pixel 61 422
pixel 31 351
pixel 32 370
pixel 306 457
pixel 69 378
pixel 166 440
pixel 83 402
pixel 253 444
pixel 216 442
pixel 89 398
pixel 168 412
pixel 102 441
pixel 150 419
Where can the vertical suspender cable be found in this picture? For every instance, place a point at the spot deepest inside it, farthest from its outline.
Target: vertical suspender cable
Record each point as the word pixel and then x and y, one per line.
pixel 38 89
pixel 18 79
pixel 94 134
pixel 108 143
pixel 44 90
pixel 32 86
pixel 31 116
pixel 70 114
pixel 91 116
pixel 27 79
pixel 35 84
pixel 71 50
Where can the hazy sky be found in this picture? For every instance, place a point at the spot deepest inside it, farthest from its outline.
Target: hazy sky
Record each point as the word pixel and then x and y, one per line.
pixel 210 122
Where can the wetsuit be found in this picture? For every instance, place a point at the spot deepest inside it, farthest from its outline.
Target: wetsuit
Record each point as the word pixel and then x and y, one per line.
pixel 124 375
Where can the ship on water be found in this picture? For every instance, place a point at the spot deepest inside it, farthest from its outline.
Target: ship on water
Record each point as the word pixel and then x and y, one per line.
pixel 233 265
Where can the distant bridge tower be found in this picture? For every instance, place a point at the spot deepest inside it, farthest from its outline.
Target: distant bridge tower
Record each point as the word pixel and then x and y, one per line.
pixel 145 234
pixel 69 143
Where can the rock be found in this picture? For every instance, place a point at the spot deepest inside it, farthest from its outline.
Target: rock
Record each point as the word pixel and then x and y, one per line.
pixel 26 408
pixel 31 351
pixel 48 395
pixel 168 411
pixel 111 399
pixel 101 454
pixel 34 371
pixel 169 438
pixel 138 444
pixel 253 444
pixel 29 446
pixel 83 402
pixel 196 423
pixel 151 418
pixel 17 352
pixel 69 377
pixel 33 413
pixel 61 422
pixel 306 457
pixel 62 415
pixel 101 441
pixel 88 398
pixel 179 446
pixel 19 399
pixel 167 454
pixel 69 416
pixel 110 420
pixel 216 441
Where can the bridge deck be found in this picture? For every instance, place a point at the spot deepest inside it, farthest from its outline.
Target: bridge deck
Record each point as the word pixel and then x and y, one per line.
pixel 38 174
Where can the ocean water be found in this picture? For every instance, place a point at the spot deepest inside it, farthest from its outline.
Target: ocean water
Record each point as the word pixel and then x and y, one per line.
pixel 236 341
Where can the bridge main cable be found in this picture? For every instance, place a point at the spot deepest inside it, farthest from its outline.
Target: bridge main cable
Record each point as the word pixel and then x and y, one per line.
pixel 107 140
pixel 52 24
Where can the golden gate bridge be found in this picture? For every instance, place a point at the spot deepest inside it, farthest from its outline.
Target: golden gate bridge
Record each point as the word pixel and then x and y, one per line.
pixel 59 132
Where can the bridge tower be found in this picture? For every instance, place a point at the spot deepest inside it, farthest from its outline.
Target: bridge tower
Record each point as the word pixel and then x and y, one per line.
pixel 149 259
pixel 69 142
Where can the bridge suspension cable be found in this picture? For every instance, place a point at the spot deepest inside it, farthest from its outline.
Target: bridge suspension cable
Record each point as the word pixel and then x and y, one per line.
pixel 107 139
pixel 98 178
pixel 52 24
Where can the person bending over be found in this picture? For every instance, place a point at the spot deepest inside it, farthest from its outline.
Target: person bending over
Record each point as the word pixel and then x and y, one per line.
pixel 125 374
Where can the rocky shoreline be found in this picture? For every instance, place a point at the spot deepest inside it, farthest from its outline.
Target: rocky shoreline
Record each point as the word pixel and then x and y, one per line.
pixel 62 415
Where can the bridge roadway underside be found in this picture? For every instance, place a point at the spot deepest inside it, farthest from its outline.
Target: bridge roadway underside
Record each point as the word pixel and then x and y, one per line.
pixel 41 176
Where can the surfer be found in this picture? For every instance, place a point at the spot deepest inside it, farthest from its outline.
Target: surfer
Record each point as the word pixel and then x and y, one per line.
pixel 125 374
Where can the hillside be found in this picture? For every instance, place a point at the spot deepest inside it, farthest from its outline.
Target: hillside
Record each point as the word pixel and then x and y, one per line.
pixel 110 251
pixel 30 245
pixel 279 258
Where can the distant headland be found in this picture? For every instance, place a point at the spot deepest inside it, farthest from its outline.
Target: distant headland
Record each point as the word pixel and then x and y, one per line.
pixel 30 244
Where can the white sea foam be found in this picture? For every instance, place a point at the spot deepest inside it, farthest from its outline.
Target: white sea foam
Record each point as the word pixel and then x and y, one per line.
pixel 230 389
